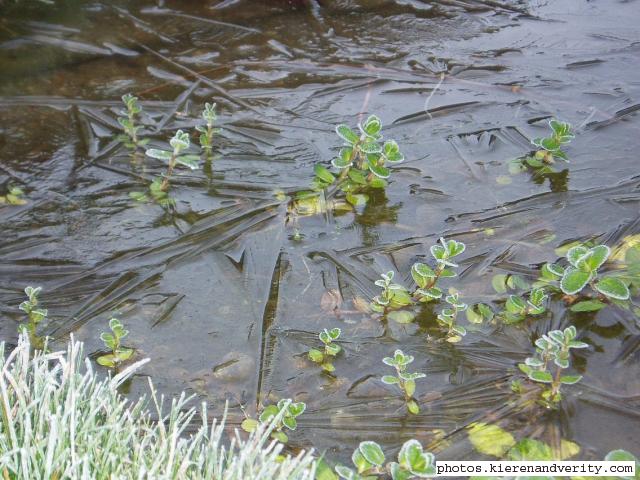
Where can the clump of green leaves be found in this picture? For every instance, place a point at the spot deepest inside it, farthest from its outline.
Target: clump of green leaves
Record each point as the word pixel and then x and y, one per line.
pixel 582 272
pixel 427 278
pixel 160 186
pixel 362 163
pixel 553 349
pixel 207 131
pixel 34 311
pixel 13 197
pixel 369 462
pixel 393 296
pixel 330 349
pixel 128 122
pixel 549 149
pixel 517 308
pixel 284 414
pixel 406 381
pixel 448 316
pixel 113 341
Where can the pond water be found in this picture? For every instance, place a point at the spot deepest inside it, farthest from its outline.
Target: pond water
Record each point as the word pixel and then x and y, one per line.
pixel 218 294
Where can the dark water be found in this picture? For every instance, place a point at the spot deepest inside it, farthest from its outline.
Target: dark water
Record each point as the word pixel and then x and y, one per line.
pixel 219 280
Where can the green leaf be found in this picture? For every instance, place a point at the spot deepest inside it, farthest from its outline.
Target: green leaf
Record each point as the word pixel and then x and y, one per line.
pixel 402 316
pixel 333 349
pixel 570 379
pixel 372 126
pixel 540 376
pixel 268 413
pixel 490 439
pixel 515 304
pixel 595 257
pixel 357 199
pixel 390 380
pixel 413 407
pixel 413 458
pixel 576 253
pixel 348 135
pixel 613 287
pixel 344 158
pixel 124 354
pixel 138 196
pixel 377 182
pixel 574 281
pixel 328 367
pixel 372 452
pixel 556 270
pixel 620 456
pixel 397 473
pixel 316 355
pixel 323 174
pixel 432 293
pixel 180 141
pixel 499 283
pixel 531 450
pixel 289 422
pixel 190 161
pixel 249 425
pixel 379 171
pixel 588 306
pixel 159 154
pixel 421 274
pixel 357 176
pixel 280 436
pixel 108 360
pixel 297 408
pixel 370 148
pixel 410 387
pixel 345 472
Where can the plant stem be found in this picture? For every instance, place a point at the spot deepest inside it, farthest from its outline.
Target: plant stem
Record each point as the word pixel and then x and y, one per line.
pixel 134 135
pixel 165 182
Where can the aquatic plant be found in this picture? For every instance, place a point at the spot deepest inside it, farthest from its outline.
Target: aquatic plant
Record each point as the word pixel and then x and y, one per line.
pixel 128 122
pixel 159 187
pixel 35 313
pixel 553 349
pixel 207 131
pixel 363 160
pixel 406 381
pixel 362 163
pixel 448 316
pixel 329 350
pixel 427 278
pixel 549 149
pixel 393 295
pixel 280 416
pixel 75 425
pixel 113 341
pixel 14 196
pixel 582 271
pixel 369 462
pixel 517 308
pixel 179 143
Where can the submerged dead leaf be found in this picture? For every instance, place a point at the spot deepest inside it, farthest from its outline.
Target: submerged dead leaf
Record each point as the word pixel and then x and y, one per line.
pixel 361 305
pixel 331 300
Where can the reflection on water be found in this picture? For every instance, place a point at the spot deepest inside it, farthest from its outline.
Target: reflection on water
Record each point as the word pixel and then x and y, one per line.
pixel 218 294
